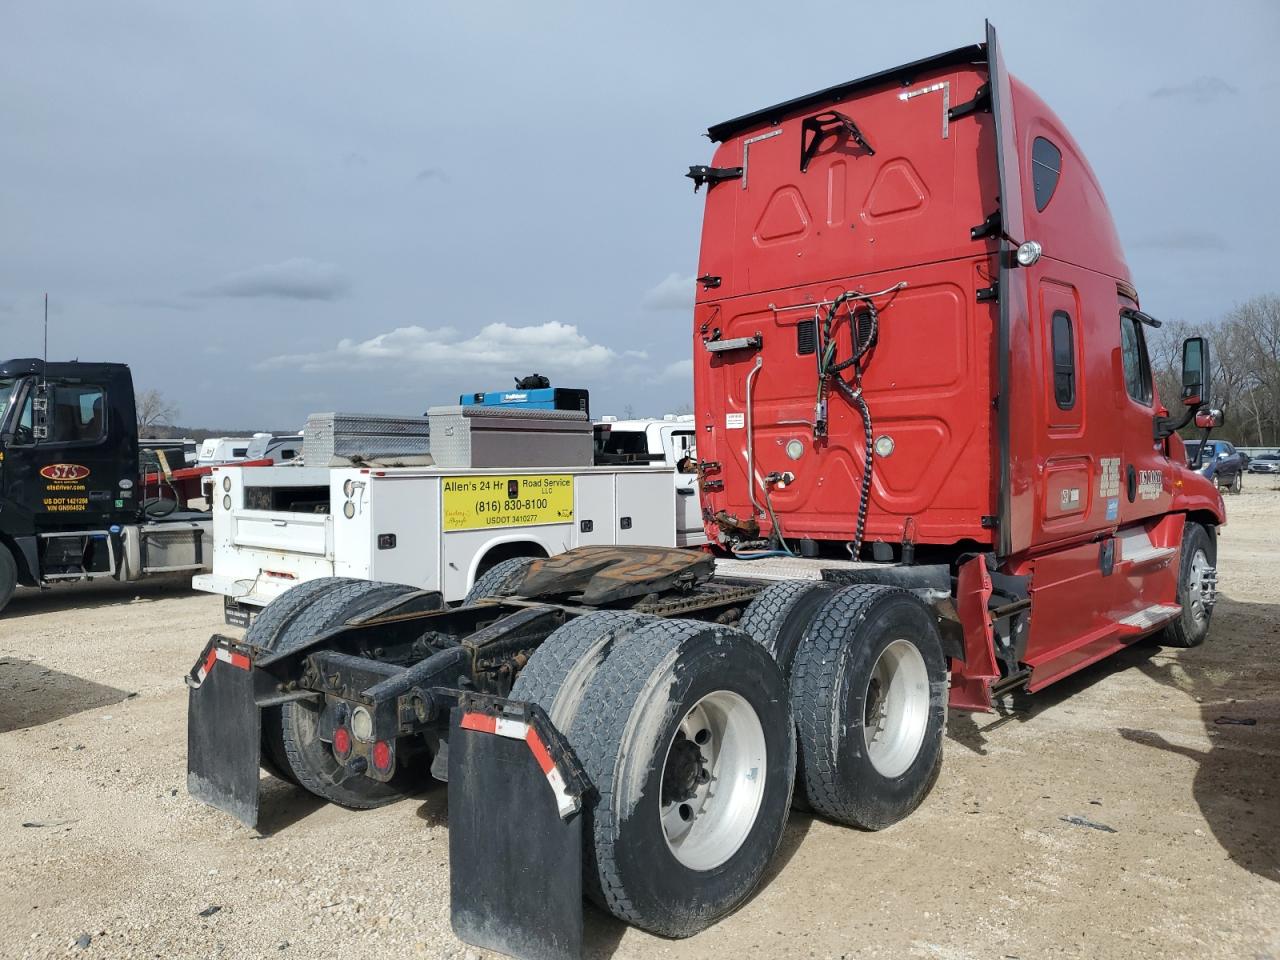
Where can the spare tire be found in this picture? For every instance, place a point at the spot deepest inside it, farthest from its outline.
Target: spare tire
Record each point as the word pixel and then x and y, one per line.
pixel 687 735
pixel 869 690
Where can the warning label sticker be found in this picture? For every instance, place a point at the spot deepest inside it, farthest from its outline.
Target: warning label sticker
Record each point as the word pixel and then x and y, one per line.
pixel 475 503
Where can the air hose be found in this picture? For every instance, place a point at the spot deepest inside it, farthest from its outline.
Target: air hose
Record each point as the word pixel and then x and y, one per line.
pixel 864 321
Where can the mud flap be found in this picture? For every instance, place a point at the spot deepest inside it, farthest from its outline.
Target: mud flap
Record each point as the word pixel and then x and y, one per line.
pixel 223 731
pixel 516 793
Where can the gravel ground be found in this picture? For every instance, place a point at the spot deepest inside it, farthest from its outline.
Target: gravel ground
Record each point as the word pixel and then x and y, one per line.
pixel 101 843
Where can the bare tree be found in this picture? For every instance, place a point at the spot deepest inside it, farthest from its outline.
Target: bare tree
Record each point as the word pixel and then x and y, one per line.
pixel 154 410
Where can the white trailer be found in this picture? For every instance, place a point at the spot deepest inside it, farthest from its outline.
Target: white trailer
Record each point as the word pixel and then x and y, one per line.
pixel 430 527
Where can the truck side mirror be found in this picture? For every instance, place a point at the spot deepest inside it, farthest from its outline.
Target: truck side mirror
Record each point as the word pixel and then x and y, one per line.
pixel 1209 419
pixel 1195 371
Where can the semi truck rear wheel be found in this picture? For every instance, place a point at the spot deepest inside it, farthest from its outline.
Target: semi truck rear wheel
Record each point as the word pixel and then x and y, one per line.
pixel 561 670
pixel 8 576
pixel 499 580
pixel 291 732
pixel 687 735
pixel 1197 589
pixel 778 616
pixel 869 692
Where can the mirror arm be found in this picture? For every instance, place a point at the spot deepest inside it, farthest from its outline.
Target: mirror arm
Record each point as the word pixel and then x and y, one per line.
pixel 1167 426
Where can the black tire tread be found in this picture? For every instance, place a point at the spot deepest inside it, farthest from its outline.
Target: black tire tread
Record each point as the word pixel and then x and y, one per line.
pixel 8 576
pixel 499 580
pixel 815 687
pixel 597 734
pixel 768 612
pixel 551 664
pixel 320 610
pixel 1177 633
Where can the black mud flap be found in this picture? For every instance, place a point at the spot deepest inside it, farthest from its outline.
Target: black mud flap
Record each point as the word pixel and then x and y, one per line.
pixel 516 792
pixel 223 731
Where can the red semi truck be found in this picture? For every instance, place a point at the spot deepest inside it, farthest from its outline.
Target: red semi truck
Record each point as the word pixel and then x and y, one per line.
pixel 933 467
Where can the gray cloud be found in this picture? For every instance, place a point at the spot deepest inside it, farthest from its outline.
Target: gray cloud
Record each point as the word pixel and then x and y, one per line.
pixel 1191 241
pixel 296 279
pixel 431 173
pixel 1204 89
pixel 674 292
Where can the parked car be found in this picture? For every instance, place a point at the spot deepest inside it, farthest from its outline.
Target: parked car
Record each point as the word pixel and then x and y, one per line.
pixel 1221 463
pixel 1265 463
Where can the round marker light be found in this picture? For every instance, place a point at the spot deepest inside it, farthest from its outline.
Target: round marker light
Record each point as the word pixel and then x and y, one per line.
pixel 795 449
pixel 226 501
pixel 348 509
pixel 226 484
pixel 884 446
pixel 341 741
pixel 382 755
pixel 1029 253
pixel 362 724
pixel 349 488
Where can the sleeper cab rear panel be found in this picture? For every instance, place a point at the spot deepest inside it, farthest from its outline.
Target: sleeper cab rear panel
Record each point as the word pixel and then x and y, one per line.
pixel 928 385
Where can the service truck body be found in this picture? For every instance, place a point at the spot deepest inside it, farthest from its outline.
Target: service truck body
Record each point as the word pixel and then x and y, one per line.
pixel 434 528
pixel 919 364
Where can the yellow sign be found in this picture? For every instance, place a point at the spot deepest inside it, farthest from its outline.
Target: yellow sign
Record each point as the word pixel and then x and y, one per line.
pixel 476 503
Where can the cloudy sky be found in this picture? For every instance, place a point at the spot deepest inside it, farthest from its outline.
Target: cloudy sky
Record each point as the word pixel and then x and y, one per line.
pixel 275 208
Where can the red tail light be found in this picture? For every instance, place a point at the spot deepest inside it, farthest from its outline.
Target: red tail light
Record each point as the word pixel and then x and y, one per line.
pixel 341 741
pixel 382 756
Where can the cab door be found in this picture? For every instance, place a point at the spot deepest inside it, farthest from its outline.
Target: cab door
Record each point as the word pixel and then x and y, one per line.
pixel 73 476
pixel 1145 486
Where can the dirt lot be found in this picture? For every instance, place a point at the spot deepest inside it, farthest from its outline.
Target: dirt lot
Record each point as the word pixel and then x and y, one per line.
pixel 98 836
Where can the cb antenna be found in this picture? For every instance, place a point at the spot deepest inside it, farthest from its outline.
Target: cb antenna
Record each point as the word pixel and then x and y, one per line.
pixel 46 328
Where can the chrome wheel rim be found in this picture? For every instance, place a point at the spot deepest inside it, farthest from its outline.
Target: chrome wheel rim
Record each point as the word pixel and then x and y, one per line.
pixel 896 708
pixel 712 780
pixel 1195 588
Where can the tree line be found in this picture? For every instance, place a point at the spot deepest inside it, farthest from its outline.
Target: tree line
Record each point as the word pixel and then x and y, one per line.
pixel 1244 347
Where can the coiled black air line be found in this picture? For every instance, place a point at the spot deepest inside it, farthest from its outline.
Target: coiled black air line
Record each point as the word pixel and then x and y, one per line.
pixel 829 369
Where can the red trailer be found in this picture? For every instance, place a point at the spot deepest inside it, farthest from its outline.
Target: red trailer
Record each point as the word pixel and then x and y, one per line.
pixel 934 466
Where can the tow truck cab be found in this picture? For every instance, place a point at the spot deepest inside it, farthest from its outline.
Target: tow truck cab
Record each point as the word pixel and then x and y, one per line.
pixel 72 502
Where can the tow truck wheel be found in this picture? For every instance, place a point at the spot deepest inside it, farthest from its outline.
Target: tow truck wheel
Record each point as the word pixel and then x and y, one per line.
pixel 1197 589
pixel 687 735
pixel 293 734
pixel 498 581
pixel 561 669
pixel 779 614
pixel 869 692
pixel 8 576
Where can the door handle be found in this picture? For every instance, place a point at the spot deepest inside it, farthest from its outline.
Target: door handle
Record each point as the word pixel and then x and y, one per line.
pixel 279 523
pixel 685 491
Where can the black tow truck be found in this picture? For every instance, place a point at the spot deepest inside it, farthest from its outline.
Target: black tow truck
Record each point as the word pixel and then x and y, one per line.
pixel 75 502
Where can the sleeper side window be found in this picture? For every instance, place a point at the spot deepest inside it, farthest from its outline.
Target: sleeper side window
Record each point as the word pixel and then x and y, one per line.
pixel 1046 167
pixel 1064 361
pixel 1133 350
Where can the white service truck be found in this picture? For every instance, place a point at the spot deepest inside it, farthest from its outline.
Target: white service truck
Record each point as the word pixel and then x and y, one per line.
pixel 431 527
pixel 672 441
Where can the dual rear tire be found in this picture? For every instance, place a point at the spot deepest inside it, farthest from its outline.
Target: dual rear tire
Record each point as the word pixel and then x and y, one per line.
pixel 293 748
pixel 685 730
pixel 868 687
